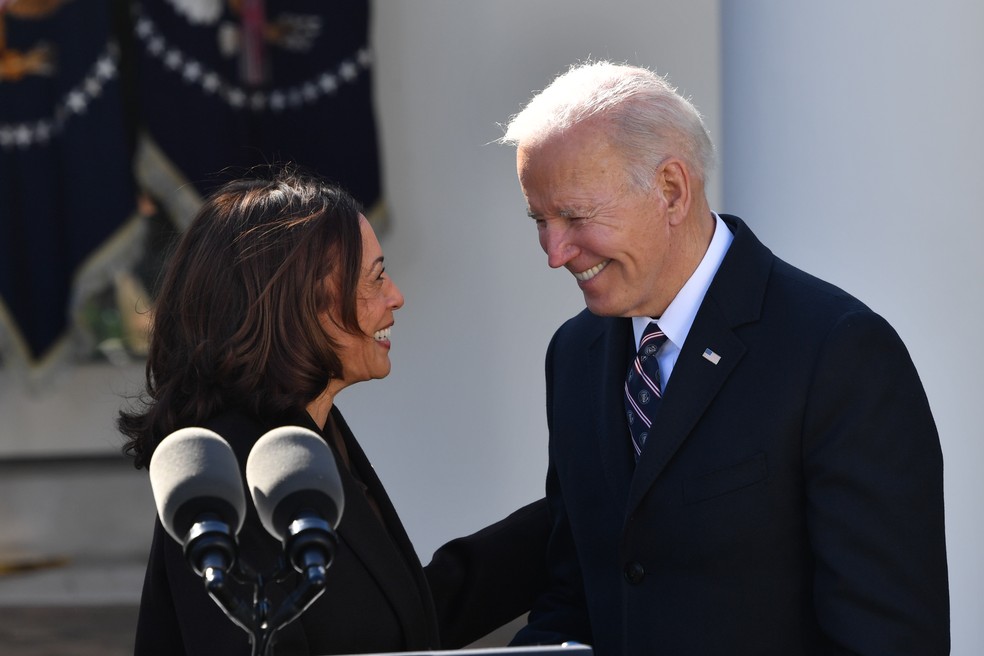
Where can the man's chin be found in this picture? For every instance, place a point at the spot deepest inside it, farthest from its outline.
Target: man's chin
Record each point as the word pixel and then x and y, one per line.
pixel 599 308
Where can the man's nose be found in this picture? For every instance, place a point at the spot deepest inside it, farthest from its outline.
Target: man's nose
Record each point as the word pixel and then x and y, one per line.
pixel 556 243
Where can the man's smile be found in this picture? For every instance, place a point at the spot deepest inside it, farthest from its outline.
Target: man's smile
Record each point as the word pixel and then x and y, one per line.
pixel 588 274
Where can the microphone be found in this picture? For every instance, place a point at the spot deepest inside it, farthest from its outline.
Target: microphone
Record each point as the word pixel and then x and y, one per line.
pixel 200 500
pixel 292 477
pixel 199 495
pixel 294 483
pixel 293 480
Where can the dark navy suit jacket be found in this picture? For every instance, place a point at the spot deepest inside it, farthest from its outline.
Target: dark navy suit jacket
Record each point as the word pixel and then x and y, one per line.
pixel 789 499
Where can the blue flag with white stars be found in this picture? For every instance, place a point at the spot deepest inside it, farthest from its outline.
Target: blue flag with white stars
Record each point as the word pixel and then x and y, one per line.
pixel 66 189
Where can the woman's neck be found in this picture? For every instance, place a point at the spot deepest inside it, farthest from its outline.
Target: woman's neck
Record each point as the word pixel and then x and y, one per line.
pixel 320 408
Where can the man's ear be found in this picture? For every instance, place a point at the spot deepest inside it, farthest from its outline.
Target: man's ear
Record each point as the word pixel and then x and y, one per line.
pixel 674 185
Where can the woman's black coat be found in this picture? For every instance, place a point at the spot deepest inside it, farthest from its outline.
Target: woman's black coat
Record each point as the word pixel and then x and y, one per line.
pixel 378 598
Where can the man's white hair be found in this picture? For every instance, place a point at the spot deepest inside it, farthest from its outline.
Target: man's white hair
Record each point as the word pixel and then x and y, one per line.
pixel 645 116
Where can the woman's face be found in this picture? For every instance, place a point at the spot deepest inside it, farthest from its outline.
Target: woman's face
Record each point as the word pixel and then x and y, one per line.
pixel 366 356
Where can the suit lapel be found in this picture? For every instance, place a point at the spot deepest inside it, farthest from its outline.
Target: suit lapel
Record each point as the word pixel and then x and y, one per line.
pixel 608 359
pixel 385 552
pixel 694 384
pixel 734 298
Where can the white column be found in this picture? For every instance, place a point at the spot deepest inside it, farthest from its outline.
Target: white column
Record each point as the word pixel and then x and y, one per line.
pixel 853 137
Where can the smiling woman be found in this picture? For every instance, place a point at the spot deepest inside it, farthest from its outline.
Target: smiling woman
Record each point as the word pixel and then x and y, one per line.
pixel 275 300
pixel 366 351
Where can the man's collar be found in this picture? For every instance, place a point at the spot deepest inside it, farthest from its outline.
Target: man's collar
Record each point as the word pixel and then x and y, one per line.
pixel 679 315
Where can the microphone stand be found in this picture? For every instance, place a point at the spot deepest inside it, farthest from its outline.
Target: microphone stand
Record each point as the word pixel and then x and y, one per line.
pixel 310 547
pixel 310 588
pixel 309 544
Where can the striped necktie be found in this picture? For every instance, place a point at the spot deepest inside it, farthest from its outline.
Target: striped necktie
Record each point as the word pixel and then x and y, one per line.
pixel 642 391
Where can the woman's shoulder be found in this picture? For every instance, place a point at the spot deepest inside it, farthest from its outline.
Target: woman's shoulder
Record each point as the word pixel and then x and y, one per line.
pixel 241 429
pixel 234 422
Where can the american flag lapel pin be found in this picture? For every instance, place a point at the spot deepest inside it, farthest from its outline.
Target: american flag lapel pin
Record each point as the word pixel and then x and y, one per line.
pixel 711 356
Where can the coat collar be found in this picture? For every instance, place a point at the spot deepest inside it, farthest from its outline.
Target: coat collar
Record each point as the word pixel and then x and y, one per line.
pixel 734 298
pixel 609 353
pixel 384 548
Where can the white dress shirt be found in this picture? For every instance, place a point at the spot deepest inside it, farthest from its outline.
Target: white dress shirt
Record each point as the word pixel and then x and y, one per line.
pixel 679 315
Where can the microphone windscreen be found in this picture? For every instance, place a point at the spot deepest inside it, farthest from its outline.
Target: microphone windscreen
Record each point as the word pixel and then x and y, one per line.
pixel 289 470
pixel 194 471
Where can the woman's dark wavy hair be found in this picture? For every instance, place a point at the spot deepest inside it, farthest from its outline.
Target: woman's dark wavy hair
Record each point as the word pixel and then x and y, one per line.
pixel 236 322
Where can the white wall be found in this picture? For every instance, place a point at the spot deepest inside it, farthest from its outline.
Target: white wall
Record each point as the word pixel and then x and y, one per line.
pixel 457 431
pixel 853 140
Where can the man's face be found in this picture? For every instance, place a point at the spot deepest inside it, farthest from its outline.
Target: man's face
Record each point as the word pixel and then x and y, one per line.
pixel 615 238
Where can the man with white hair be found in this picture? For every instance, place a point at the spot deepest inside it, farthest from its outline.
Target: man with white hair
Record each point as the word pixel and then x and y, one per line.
pixel 742 457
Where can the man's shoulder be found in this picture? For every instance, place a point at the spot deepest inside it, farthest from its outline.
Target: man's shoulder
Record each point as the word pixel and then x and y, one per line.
pixel 814 300
pixel 585 332
pixel 752 263
pixel 585 325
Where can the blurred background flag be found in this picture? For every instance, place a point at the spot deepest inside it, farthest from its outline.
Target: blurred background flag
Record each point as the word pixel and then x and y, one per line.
pixel 117 116
pixel 66 191
pixel 229 84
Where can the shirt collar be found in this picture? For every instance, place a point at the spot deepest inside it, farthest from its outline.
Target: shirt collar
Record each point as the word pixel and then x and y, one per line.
pixel 679 315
